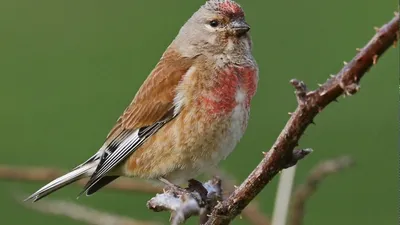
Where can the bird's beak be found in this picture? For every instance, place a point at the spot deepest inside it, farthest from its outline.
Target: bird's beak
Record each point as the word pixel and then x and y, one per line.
pixel 240 27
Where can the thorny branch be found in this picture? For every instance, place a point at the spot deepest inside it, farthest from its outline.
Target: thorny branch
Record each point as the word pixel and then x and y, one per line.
pixel 305 191
pixel 310 103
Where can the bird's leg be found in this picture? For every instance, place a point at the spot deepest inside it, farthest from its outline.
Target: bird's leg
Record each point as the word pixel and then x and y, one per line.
pixel 171 185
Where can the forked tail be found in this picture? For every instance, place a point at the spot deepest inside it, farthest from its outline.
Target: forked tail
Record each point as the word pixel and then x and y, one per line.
pixel 78 173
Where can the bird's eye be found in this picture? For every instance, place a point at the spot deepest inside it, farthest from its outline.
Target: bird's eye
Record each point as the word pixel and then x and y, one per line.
pixel 214 23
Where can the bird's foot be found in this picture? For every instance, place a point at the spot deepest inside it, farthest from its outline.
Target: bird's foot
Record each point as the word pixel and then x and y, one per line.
pixel 193 187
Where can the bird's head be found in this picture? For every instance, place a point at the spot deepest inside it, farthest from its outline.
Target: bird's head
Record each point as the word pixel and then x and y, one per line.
pixel 218 26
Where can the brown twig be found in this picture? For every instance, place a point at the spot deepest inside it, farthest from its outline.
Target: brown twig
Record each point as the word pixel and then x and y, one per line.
pixel 310 103
pixel 48 174
pixel 82 213
pixel 303 192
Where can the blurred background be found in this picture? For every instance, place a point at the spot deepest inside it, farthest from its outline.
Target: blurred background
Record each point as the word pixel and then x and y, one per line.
pixel 69 68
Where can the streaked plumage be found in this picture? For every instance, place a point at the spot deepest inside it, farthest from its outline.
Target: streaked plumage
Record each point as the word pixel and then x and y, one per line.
pixel 190 112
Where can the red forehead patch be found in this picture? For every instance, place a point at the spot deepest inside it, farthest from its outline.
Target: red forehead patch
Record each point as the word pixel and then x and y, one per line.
pixel 230 8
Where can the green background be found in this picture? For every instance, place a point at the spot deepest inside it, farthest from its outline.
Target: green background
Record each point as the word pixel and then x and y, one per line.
pixel 69 68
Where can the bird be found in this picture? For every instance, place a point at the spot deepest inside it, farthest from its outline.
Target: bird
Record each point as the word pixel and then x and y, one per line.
pixel 189 113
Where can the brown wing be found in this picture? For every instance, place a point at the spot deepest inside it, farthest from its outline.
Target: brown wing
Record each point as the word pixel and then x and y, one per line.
pixel 156 95
pixel 144 116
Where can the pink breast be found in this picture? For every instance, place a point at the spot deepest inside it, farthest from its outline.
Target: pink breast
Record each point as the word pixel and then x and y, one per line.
pixel 221 99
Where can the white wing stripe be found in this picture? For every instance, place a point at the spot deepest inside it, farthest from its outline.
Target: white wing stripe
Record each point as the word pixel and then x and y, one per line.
pixel 120 151
pixel 180 98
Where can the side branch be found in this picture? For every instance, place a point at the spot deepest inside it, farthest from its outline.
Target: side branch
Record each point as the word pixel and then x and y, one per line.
pixel 305 191
pixel 309 105
pixel 83 213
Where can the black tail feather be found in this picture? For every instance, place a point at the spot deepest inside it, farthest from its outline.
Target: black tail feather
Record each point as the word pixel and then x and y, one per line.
pixel 99 184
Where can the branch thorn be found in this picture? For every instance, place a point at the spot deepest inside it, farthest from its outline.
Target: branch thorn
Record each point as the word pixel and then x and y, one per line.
pixel 375 59
pixel 351 89
pixel 397 38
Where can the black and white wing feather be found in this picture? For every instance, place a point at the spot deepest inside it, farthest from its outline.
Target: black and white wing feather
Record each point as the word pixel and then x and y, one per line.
pixel 115 153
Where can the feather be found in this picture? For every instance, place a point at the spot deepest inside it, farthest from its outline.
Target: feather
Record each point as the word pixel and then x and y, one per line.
pixel 99 184
pixel 82 171
pixel 156 96
pixel 124 149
